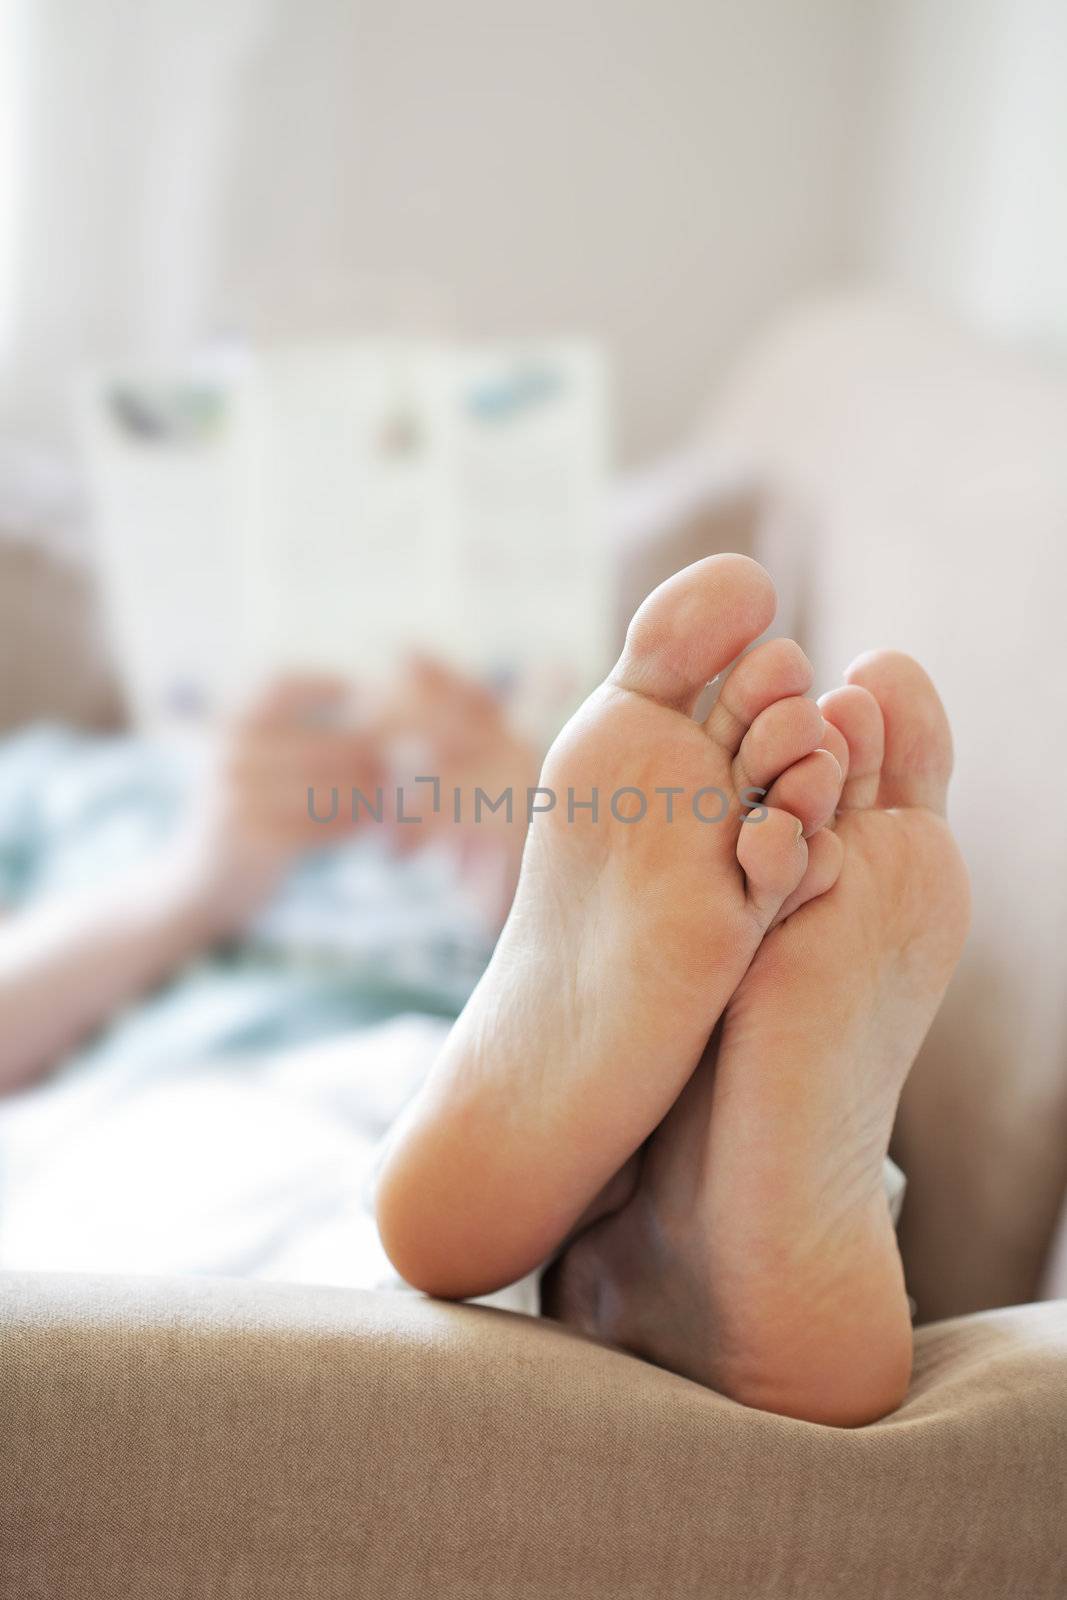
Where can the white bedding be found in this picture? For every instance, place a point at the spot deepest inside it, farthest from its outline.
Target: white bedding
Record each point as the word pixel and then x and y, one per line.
pixel 256 1168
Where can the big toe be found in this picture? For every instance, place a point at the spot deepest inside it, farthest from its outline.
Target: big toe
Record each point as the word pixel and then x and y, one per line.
pixel 917 760
pixel 693 626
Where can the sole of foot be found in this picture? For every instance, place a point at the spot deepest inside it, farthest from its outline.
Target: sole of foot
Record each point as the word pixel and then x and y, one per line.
pixel 755 1252
pixel 631 928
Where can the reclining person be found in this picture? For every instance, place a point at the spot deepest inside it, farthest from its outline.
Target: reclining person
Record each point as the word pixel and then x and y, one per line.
pixel 156 872
pixel 676 1080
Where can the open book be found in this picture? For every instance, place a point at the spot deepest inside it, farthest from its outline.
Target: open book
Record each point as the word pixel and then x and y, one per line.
pixel 334 507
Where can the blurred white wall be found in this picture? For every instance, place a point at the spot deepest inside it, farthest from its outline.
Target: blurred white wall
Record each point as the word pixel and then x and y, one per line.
pixel 10 95
pixel 965 196
pixel 659 175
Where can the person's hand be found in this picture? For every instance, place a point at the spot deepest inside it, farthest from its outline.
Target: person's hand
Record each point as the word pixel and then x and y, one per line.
pixel 462 737
pixel 280 784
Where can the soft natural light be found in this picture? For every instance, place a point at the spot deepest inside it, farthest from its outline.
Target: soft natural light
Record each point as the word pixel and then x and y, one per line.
pixel 12 19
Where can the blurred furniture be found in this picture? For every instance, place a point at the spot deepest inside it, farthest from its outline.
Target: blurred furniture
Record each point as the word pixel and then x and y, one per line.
pixel 916 484
pixel 906 485
pixel 52 664
pixel 219 1439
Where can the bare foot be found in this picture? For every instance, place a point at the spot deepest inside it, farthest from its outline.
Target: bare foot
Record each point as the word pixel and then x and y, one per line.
pixel 626 939
pixel 757 1254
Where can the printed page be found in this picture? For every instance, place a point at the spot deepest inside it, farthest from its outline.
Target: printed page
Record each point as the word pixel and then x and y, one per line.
pixel 336 507
pixel 345 523
pixel 531 599
pixel 168 492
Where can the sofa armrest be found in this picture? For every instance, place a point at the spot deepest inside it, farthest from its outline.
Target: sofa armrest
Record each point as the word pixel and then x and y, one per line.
pixel 219 1439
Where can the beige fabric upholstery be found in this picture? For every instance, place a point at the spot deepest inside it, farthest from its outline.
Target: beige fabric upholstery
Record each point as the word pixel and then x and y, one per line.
pixel 52 663
pixel 917 480
pixel 221 1440
pixel 232 1441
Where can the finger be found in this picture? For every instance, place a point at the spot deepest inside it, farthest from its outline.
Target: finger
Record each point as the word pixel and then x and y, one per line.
pixel 299 697
pixel 302 753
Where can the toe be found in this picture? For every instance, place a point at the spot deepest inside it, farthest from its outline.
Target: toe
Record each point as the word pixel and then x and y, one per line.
pixel 692 627
pixel 809 790
pixel 854 717
pixel 917 762
pixel 773 854
pixel 825 855
pixel 772 671
pixel 834 741
pixel 784 733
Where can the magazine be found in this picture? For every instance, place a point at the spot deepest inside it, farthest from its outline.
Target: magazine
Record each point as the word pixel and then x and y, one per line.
pixel 336 507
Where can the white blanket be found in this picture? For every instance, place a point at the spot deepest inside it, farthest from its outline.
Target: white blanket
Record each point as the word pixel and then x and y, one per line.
pixel 243 1168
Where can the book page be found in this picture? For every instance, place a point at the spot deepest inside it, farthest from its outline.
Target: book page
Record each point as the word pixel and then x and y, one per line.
pixel 350 504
